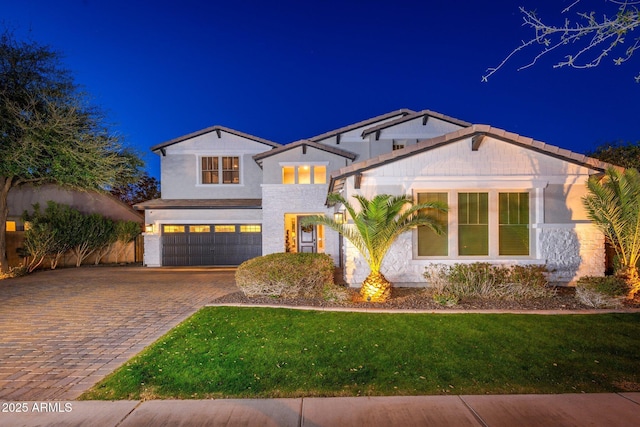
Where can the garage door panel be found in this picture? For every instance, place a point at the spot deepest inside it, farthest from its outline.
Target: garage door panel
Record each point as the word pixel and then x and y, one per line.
pixel 196 246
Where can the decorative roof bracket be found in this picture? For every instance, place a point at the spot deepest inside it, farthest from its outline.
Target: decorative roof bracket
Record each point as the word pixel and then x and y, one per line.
pixel 477 140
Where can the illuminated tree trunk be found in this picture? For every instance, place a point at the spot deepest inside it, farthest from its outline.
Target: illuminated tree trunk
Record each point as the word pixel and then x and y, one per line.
pixel 5 186
pixel 375 288
pixel 630 276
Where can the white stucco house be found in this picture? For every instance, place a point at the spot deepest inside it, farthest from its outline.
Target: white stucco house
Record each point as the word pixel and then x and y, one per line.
pixel 228 196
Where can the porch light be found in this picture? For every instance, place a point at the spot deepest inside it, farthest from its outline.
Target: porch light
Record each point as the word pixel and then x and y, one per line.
pixel 148 228
pixel 338 217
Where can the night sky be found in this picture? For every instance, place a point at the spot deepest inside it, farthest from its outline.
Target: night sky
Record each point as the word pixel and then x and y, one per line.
pixel 289 70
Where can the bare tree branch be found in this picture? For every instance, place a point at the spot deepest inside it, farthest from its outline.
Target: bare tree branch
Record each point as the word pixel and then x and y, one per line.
pixel 590 37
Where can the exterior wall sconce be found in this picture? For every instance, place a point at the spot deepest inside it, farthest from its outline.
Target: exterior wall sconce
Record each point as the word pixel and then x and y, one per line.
pixel 338 217
pixel 148 228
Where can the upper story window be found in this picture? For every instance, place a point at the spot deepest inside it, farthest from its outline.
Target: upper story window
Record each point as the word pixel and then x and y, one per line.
pixel 397 146
pixel 220 170
pixel 304 174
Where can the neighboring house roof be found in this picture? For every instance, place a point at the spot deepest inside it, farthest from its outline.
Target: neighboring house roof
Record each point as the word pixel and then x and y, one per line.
pixel 218 130
pixel 304 143
pixel 477 132
pixel 199 204
pixel 403 112
pixel 425 114
pixel 22 198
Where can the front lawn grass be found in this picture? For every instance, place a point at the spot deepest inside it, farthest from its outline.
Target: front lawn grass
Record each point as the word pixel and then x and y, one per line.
pixel 264 352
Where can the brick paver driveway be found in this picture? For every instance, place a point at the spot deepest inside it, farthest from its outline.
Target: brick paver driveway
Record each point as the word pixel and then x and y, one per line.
pixel 62 331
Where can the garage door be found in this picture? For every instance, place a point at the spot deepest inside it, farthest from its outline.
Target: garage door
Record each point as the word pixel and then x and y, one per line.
pixel 226 244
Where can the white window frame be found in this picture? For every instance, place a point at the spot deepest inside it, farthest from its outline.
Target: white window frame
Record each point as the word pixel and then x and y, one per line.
pixel 494 224
pixel 220 169
pixel 312 165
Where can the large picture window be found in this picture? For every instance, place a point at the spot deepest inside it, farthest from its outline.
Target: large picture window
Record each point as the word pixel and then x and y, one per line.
pixel 476 215
pixel 220 170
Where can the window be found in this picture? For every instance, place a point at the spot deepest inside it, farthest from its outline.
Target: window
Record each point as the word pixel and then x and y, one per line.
pixel 231 170
pixel 173 228
pixel 250 228
pixel 473 223
pixel 485 224
pixel 225 228
pixel 216 170
pixel 303 174
pixel 397 146
pixel 10 226
pixel 319 174
pixel 513 223
pixel 210 170
pixel 430 243
pixel 199 229
pixel 289 175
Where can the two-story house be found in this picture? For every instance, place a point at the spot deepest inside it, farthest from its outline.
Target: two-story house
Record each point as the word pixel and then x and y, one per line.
pixel 228 196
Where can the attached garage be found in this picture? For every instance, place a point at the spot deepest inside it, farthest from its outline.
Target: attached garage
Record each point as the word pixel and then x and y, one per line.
pixel 215 244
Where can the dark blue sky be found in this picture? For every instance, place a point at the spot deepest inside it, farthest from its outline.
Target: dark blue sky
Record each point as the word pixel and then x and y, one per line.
pixel 288 70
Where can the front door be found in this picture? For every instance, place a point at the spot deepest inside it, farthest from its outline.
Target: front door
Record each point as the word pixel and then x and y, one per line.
pixel 307 236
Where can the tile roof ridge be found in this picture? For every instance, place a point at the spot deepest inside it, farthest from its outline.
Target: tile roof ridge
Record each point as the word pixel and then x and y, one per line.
pixel 414 116
pixel 215 128
pixel 362 123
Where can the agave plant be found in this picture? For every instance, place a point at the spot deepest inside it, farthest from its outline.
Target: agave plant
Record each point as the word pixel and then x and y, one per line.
pixel 613 204
pixel 374 228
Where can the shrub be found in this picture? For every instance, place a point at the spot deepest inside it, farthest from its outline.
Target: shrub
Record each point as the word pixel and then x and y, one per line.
pixel 285 275
pixel 483 280
pixel 335 293
pixel 14 272
pixel 601 292
pixel 446 299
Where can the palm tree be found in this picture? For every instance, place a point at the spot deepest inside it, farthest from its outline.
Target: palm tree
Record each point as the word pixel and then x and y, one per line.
pixel 374 229
pixel 613 204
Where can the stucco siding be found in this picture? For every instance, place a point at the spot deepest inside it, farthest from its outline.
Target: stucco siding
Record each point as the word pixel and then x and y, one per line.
pixel 181 169
pixel 272 166
pixel 563 203
pixel 181 178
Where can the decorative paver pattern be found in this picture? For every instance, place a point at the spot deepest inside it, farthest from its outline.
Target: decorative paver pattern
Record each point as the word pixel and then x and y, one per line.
pixel 62 331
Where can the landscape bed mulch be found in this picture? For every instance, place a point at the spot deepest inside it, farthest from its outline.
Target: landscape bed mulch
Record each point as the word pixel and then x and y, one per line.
pixel 421 299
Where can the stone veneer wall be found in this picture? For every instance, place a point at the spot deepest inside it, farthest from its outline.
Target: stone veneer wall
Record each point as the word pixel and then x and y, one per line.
pixel 571 252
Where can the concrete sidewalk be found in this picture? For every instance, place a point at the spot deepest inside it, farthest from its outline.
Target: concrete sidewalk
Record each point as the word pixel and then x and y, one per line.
pixel 611 410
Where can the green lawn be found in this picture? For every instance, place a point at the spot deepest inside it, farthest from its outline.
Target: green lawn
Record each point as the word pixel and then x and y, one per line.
pixel 263 352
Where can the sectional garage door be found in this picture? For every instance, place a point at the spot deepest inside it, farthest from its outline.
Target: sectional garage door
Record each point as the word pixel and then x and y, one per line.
pixel 227 244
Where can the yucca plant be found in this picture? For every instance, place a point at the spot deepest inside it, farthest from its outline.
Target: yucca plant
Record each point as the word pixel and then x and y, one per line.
pixel 613 204
pixel 375 227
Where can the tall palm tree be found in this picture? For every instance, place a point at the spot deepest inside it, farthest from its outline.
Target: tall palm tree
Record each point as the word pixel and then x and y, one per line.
pixel 375 227
pixel 613 204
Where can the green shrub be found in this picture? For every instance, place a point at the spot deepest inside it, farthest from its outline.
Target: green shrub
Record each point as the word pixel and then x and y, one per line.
pixel 335 293
pixel 601 292
pixel 446 299
pixel 285 275
pixel 484 280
